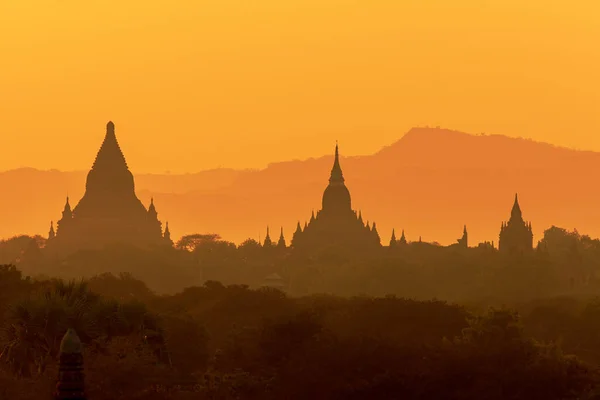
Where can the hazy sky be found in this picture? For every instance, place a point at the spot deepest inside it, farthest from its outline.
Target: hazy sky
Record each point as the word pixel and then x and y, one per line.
pixel 197 84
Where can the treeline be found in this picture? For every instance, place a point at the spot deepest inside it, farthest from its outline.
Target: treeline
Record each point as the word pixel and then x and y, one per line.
pixel 231 342
pixel 564 263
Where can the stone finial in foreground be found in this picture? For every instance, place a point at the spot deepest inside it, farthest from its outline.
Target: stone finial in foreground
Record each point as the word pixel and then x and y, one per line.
pixel 70 385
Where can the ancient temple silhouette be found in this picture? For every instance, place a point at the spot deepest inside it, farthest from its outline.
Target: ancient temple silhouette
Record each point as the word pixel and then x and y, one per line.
pixel 516 236
pixel 336 225
pixel 464 240
pixel 109 212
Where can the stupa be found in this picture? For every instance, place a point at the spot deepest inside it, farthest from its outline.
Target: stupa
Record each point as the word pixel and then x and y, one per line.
pixel 109 212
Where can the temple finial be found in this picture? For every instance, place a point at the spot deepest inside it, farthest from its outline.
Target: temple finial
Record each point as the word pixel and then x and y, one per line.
pixel 51 232
pixel 336 172
pixel 516 213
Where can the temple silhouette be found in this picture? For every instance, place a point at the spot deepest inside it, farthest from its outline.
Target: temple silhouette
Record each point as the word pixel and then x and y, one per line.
pixel 516 236
pixel 109 212
pixel 336 226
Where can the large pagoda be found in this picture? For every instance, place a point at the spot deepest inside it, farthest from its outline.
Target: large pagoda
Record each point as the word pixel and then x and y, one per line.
pixel 336 225
pixel 109 211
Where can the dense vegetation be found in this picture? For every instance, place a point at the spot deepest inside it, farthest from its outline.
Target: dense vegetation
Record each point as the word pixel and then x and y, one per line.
pixel 231 342
pixel 181 323
pixel 564 263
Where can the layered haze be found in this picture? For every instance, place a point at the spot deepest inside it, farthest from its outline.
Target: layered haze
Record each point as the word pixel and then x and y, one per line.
pixel 430 182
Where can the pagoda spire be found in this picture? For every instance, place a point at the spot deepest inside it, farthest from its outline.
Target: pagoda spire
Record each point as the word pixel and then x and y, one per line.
pixel 152 208
pixel 296 235
pixel 281 242
pixel 516 214
pixel 110 154
pixel 67 212
pixel 51 234
pixel 336 172
pixel 267 241
pixel 464 239
pixel 167 234
pixel 375 234
pixel 403 238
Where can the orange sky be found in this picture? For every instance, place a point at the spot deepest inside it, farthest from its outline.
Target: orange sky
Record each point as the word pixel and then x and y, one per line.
pixel 197 84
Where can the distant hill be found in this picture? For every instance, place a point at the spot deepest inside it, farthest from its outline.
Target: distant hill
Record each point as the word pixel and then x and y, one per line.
pixel 430 182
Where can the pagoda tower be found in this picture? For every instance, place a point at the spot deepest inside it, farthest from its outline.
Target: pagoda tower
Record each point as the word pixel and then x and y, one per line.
pixel 336 225
pixel 109 211
pixel 516 236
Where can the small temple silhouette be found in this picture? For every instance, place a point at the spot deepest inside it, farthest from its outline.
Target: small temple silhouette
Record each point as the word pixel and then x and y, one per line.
pixel 109 212
pixel 336 225
pixel 516 236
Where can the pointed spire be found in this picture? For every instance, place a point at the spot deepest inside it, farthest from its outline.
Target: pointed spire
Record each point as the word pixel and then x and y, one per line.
pixel 51 233
pixel 67 213
pixel 267 241
pixel 281 242
pixel 167 234
pixel 336 171
pixel 393 241
pixel 110 128
pixel 464 239
pixel 402 238
pixel 375 234
pixel 305 226
pixel 110 154
pixel 297 235
pixel 516 214
pixel 152 209
pixel 360 219
pixel 312 217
